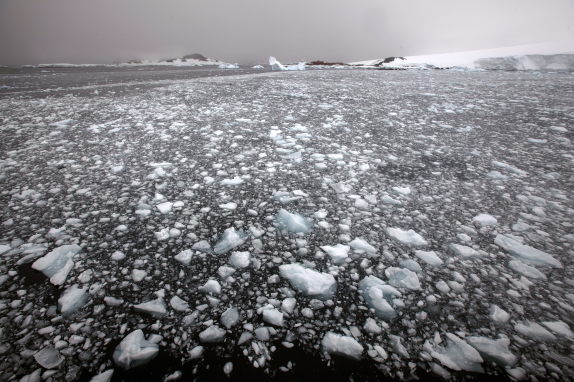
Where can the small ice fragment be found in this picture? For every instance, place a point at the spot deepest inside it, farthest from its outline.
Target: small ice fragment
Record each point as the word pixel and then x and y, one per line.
pixel 273 316
pixel 178 304
pixel 155 308
pixel 429 257
pixel 165 207
pixel 463 251
pixel 497 314
pixel 240 259
pixel 211 287
pixel 184 256
pixel 230 317
pixel 403 278
pixel 484 220
pixel 338 253
pixel 359 244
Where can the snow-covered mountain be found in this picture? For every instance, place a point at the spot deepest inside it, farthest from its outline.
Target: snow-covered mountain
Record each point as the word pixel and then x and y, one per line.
pixel 524 57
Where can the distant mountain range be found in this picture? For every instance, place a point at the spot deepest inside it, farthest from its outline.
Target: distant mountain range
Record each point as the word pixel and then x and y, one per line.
pixel 194 59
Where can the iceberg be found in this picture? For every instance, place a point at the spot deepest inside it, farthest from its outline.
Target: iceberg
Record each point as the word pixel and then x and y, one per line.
pixel 58 263
pixel 276 65
pixel 309 282
pixel 134 350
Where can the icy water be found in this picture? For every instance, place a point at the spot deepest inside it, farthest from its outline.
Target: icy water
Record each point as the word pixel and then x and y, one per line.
pixel 316 225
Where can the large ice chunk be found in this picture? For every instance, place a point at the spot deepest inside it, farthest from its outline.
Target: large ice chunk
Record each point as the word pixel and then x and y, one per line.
pixel 134 350
pixel 309 282
pixel 526 253
pixel 155 308
pixel 229 240
pixel 379 296
pixel 458 355
pixel 403 278
pixel 57 263
pixel 338 253
pixel 526 270
pixel 48 357
pixel 534 331
pixel 494 350
pixel 340 345
pixel 409 238
pixel 292 222
pixel 72 299
pixel 463 251
pixel 484 220
pixel 240 259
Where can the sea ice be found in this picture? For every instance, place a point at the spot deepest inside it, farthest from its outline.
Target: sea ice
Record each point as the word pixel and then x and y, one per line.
pixel 293 222
pixel 57 263
pixel 229 318
pixel 429 257
pixel 155 308
pixel 48 358
pixel 484 220
pixel 340 345
pixel 458 355
pixel 211 335
pixel 463 251
pixel 211 287
pixel 379 296
pixel 403 278
pixel 409 238
pixel 494 350
pixel 240 259
pixel 534 331
pixel 526 253
pixel 338 253
pixel 184 256
pixel 134 350
pixel 309 282
pixel 229 240
pixel 272 316
pixel 359 244
pixel 526 270
pixel 72 299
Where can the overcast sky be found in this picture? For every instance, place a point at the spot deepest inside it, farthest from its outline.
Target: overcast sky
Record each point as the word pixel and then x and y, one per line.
pixel 248 31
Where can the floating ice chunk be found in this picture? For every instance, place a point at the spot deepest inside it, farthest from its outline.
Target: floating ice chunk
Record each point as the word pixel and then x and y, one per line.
pixel 386 199
pixel 534 331
pixel 72 299
pixel 559 327
pixel 240 259
pixel 341 188
pixel 155 308
pixel 379 296
pixel 211 287
pixel 403 278
pixel 309 282
pixel 184 257
pixel 232 182
pixel 105 376
pixel 211 335
pixel 57 263
pixel 429 257
pixel 118 256
pixel 410 237
pixel 336 344
pixel 526 253
pixel 359 244
pixel 165 207
pixel 497 314
pixel 338 253
pixel 494 350
pixel 134 350
pixel 228 206
pixel 510 168
pixel 178 304
pixel 402 190
pixel 288 305
pixel 293 222
pixel 526 270
pixel 138 275
pixel 458 355
pixel 484 220
pixel 272 316
pixel 230 317
pixel 48 358
pixel 372 327
pixel 202 246
pixel 229 240
pixel 162 235
pixel 463 251
pixel 411 265
pixel 224 271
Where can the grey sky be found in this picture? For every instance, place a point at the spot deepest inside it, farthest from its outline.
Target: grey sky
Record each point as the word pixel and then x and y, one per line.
pixel 247 31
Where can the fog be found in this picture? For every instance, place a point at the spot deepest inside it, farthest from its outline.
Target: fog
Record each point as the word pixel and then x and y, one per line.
pixel 248 31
